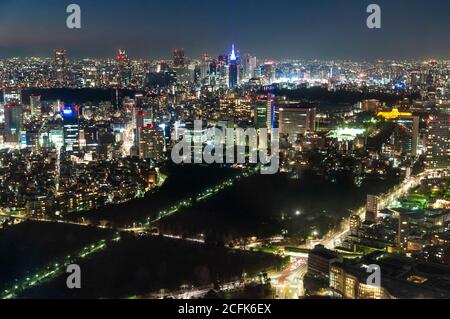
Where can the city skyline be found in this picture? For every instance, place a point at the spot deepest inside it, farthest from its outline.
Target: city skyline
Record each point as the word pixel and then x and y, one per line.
pixel 323 30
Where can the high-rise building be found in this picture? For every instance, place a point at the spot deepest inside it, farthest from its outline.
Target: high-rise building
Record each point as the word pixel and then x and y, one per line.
pixel 179 58
pixel 205 69
pixel 406 134
pixel 250 64
pixel 35 103
pixel 355 225
pixel 70 114
pixel 438 142
pixel 405 137
pixel 372 208
pixel 233 69
pixel 124 66
pixel 268 72
pixel 13 122
pixel 140 116
pixel 151 143
pixel 260 113
pixel 296 120
pixel 106 141
pixel 60 67
pixel 403 230
pixel 271 111
pixel 91 140
pixel 143 118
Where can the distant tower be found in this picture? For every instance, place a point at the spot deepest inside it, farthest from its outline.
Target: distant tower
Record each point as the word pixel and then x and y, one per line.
pixel 233 71
pixel 60 67
pixel 179 58
pixel 124 65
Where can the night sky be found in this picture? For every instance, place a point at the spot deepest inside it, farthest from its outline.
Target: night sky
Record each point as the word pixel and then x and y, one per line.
pixel 271 29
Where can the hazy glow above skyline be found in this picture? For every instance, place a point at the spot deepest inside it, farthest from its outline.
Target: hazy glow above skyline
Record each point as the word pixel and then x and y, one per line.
pixel 282 29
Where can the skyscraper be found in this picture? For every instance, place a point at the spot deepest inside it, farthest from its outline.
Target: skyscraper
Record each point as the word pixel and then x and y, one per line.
pixel 406 133
pixel 13 121
pixel 355 225
pixel 70 114
pixel 372 208
pixel 250 63
pixel 270 109
pixel 438 142
pixel 260 114
pixel 124 69
pixel 410 142
pixel 151 143
pixel 233 70
pixel 60 67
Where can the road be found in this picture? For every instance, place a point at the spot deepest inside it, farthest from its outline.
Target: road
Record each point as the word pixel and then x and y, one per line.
pixel 335 237
pixel 288 284
pixel 199 292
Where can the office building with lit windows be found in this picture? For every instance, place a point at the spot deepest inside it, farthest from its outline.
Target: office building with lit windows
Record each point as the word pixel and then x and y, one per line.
pixel 372 208
pixel 60 64
pixel 151 143
pixel 70 114
pixel 400 278
pixel 320 259
pixel 260 113
pixel 296 120
pixel 13 122
pixel 438 142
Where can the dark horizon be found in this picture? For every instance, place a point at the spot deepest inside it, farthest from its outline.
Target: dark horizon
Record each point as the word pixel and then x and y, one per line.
pixel 322 30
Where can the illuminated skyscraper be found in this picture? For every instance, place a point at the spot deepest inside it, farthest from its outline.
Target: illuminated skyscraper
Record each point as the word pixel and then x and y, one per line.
pixel 143 118
pixel 233 71
pixel 70 114
pixel 261 114
pixel 270 112
pixel 250 63
pixel 60 67
pixel 406 134
pixel 124 66
pixel 438 142
pixel 151 143
pixel 205 68
pixel 355 225
pixel 13 122
pixel 372 208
